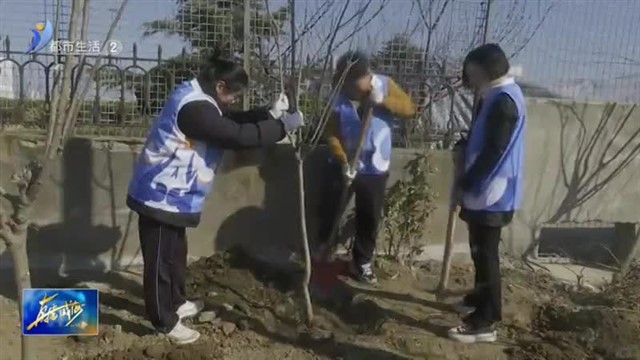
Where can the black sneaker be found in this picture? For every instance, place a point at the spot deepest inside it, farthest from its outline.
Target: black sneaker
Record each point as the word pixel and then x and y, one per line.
pixel 363 273
pixel 471 334
pixel 463 309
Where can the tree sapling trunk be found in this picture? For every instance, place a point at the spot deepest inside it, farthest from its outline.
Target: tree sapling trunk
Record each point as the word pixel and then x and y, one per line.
pixel 305 239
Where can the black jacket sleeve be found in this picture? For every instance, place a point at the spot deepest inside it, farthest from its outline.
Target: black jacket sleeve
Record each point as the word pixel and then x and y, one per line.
pixel 251 116
pixel 201 121
pixel 501 123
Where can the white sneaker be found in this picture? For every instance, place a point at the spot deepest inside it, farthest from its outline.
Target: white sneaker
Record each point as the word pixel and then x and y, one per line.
pixel 190 308
pixel 181 334
pixel 468 334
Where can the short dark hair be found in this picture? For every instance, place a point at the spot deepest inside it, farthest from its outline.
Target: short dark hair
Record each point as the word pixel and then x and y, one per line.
pixel 491 58
pixel 352 65
pixel 217 68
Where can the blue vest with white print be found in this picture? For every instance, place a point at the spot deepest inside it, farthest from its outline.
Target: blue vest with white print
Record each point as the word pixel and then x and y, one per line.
pixel 501 190
pixel 173 173
pixel 375 156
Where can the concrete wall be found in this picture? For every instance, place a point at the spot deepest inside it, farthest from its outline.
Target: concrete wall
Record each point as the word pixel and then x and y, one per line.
pixel 581 170
pixel 83 222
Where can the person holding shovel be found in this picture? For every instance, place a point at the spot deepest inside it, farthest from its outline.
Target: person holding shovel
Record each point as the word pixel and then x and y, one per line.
pixel 490 185
pixel 360 125
pixel 174 174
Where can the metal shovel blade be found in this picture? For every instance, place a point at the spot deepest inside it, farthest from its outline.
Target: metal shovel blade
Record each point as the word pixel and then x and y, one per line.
pixel 325 281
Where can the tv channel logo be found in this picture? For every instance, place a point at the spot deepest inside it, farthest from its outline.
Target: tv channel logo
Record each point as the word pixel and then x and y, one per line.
pixel 42 34
pixel 60 312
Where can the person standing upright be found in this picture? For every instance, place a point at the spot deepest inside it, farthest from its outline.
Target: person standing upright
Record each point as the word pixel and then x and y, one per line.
pixel 490 188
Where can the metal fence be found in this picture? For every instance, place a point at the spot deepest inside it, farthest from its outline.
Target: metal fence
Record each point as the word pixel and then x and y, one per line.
pixel 584 50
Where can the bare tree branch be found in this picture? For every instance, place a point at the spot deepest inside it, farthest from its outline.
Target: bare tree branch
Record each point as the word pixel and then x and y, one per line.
pixel 72 115
pixel 56 119
pixel 533 33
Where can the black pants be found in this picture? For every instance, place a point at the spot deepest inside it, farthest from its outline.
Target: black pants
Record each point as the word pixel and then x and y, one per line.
pixel 369 191
pixel 164 250
pixel 486 297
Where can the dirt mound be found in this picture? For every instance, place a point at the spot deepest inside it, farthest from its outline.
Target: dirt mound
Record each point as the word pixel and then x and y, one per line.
pixel 625 292
pixel 581 325
pixel 254 312
pixel 587 333
pixel 249 301
pixel 217 346
pixel 246 284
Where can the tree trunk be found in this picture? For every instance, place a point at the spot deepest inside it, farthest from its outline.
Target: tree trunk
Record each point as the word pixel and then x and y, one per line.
pixel 305 240
pixel 18 250
pixel 626 263
pixel 15 236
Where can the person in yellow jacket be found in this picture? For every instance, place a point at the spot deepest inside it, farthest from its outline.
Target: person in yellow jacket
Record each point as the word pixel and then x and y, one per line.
pixel 361 90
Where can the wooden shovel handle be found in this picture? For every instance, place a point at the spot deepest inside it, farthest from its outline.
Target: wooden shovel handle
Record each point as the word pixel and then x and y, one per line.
pixel 363 137
pixel 458 162
pixel 344 198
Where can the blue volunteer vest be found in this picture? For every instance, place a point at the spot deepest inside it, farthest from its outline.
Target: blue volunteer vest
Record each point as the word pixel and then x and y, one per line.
pixel 375 156
pixel 172 173
pixel 501 190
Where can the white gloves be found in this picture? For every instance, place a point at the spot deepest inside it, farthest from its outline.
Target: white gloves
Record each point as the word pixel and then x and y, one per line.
pixel 377 91
pixel 348 173
pixel 292 121
pixel 280 106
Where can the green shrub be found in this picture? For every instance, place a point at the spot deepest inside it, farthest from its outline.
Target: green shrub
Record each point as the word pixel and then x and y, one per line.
pixel 408 206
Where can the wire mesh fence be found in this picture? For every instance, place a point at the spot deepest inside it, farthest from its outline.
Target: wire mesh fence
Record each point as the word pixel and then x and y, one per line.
pixel 582 50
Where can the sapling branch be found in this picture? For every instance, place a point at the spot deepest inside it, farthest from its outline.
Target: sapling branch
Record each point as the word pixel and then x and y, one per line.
pixel 299 164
